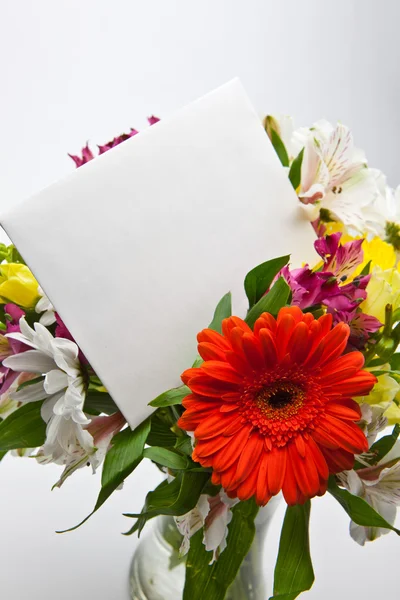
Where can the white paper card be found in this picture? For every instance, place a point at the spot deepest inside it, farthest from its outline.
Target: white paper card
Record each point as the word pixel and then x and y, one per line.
pixel 136 248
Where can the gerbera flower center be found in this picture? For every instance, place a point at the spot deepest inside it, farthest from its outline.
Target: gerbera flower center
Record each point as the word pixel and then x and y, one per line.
pixel 280 400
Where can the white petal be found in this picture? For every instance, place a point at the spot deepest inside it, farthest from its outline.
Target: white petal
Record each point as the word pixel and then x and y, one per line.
pixel 32 361
pixel 55 381
pixel 27 331
pixel 46 411
pixel 65 355
pixel 48 318
pixel 30 393
pixel 21 338
pixel 43 338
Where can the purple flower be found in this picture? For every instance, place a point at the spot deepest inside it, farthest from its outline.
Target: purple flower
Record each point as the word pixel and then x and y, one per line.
pixel 340 260
pixel 361 326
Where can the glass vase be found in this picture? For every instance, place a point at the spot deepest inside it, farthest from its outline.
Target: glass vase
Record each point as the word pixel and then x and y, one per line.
pixel 158 572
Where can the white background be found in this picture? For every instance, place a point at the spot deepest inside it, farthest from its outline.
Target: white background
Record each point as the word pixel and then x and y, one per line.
pixel 72 71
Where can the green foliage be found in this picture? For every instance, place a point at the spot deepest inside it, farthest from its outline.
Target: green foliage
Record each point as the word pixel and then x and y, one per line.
pixel 279 147
pixel 99 402
pixel 383 446
pixel 161 433
pixel 272 302
pixel 171 498
pixel 170 397
pixel 167 458
pixel 258 280
pixel 295 170
pixel 293 571
pixel 10 254
pixel 212 581
pixel 223 311
pixel 358 509
pixel 24 428
pixel 124 456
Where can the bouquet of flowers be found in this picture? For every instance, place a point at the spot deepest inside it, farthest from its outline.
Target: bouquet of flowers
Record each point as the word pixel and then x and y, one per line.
pixel 286 399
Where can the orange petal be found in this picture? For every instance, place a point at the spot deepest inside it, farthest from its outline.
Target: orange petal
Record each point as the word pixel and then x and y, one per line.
pixel 268 347
pixel 210 351
pixel 262 492
pixel 252 351
pixel 276 469
pixel 249 457
pixel 299 343
pixel 290 487
pixel 284 331
pixel 209 335
pixel 293 311
pixel 359 384
pixel 221 371
pixel 344 408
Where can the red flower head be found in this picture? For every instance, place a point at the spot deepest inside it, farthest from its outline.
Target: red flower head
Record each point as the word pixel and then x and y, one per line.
pixel 271 409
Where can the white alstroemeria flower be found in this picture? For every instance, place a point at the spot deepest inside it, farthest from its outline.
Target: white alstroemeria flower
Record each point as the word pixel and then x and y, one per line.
pixel 90 446
pixel 45 306
pixel 214 514
pixel 335 177
pixel 372 421
pixel 62 388
pixel 380 487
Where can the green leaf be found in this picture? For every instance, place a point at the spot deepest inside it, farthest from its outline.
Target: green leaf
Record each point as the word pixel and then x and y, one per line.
pixel 279 148
pixel 123 457
pixel 272 302
pixel 212 581
pixel 2 454
pixel 184 444
pixel 395 362
pixel 175 498
pixel 171 397
pixel 223 311
pixel 366 269
pixel 166 458
pixel 258 280
pixel 295 170
pixel 161 433
pixel 24 428
pixel 99 402
pixel 357 508
pixel 293 570
pixel 383 446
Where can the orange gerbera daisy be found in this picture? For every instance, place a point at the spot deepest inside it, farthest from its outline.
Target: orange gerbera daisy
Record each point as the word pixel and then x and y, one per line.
pixel 271 409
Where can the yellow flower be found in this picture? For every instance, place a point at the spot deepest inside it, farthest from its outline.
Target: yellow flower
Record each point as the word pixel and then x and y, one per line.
pixel 393 414
pixel 383 394
pixel 382 289
pixel 18 285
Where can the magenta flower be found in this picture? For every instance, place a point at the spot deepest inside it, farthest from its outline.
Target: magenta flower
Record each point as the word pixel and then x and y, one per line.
pixel 88 155
pixel 326 286
pixel 9 346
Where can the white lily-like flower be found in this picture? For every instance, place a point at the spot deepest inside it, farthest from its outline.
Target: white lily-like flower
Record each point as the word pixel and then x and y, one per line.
pixel 62 388
pixel 45 307
pixel 380 487
pixel 372 421
pixel 335 177
pixel 213 513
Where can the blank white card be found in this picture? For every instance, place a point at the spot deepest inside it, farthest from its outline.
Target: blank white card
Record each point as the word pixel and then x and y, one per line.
pixel 135 248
